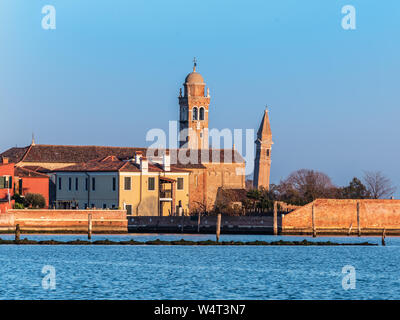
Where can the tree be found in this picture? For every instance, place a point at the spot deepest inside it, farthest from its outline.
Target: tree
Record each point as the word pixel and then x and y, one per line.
pixel 34 200
pixel 304 186
pixel 355 190
pixel 378 185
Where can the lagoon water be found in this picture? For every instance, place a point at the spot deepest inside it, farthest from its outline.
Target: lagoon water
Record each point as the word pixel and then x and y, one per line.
pixel 203 272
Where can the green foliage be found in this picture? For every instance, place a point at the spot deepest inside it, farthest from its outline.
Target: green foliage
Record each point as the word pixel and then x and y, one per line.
pixel 34 200
pixel 18 205
pixel 18 198
pixel 355 190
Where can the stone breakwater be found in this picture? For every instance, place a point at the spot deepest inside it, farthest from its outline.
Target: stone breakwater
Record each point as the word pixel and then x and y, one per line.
pixel 181 242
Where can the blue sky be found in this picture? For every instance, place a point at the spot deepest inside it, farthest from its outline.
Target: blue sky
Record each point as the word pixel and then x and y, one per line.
pixel 112 70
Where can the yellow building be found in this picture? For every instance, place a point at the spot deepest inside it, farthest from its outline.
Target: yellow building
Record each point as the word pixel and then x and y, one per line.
pixel 140 187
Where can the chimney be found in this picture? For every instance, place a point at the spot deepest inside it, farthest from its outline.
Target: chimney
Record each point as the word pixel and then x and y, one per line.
pixel 144 164
pixel 138 156
pixel 166 161
pixel 5 160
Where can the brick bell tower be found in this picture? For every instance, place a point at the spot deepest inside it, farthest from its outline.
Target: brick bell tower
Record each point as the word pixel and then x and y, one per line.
pixel 262 162
pixel 194 104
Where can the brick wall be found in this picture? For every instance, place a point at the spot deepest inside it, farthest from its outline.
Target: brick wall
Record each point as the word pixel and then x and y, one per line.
pixel 334 216
pixel 229 224
pixel 103 221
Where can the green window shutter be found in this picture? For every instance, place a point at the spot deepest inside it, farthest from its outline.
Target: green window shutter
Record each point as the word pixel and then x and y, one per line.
pixel 2 182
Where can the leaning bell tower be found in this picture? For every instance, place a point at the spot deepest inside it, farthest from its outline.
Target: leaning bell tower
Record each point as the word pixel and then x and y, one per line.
pixel 262 162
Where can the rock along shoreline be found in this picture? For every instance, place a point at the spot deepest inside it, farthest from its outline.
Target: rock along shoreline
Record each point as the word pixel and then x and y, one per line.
pixel 181 242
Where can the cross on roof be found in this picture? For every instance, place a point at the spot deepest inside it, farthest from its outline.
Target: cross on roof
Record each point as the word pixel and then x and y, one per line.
pixel 194 64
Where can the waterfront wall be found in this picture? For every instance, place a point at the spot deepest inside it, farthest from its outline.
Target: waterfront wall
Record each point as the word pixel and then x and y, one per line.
pixel 333 216
pixel 229 224
pixel 65 221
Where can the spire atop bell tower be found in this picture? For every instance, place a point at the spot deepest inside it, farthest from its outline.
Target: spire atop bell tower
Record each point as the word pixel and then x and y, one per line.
pixel 262 162
pixel 264 132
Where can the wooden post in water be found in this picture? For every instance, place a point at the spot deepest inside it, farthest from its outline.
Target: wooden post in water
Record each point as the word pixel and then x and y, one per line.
pixel 383 237
pixel 183 218
pixel 198 223
pixel 218 232
pixel 275 218
pixel 17 232
pixel 351 226
pixel 314 232
pixel 358 219
pixel 89 226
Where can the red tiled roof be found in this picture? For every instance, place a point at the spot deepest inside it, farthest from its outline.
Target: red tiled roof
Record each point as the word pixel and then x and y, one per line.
pixel 80 154
pixel 112 164
pixel 15 155
pixel 26 173
pixel 37 169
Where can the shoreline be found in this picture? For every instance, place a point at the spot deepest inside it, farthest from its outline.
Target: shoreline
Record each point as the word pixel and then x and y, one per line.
pixel 182 242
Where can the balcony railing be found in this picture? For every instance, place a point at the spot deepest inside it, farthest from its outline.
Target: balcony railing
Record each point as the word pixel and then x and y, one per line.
pixel 166 194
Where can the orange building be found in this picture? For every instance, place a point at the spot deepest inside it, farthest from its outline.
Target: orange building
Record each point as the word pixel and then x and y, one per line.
pixel 6 185
pixel 29 181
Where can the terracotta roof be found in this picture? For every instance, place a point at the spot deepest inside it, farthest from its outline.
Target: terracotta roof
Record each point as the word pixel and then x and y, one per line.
pixel 81 154
pixel 112 164
pixel 15 154
pixel 37 169
pixel 26 173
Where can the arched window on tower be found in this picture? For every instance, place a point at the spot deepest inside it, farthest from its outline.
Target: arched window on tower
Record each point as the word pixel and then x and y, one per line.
pixel 201 113
pixel 267 153
pixel 195 115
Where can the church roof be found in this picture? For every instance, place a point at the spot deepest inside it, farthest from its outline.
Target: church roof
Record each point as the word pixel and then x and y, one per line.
pixel 79 154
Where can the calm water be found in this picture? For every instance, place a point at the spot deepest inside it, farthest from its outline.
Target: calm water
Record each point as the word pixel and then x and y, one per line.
pixel 185 272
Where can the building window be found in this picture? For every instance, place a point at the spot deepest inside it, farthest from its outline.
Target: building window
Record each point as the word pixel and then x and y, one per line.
pixel 151 183
pixel 113 206
pixel 76 184
pixel 195 111
pixel 94 184
pixel 86 206
pixel 93 206
pixel 127 183
pixel 69 184
pixel 201 113
pixel 267 152
pixel 104 206
pixel 128 209
pixel 179 185
pixel 59 183
pixel 20 186
pixel 6 182
pixel 114 184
